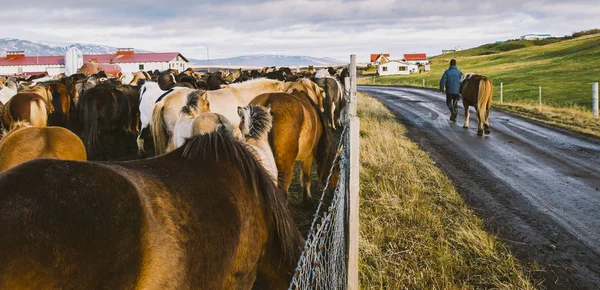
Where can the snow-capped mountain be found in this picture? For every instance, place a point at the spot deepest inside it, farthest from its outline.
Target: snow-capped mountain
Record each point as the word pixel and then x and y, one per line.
pixel 269 60
pixel 50 48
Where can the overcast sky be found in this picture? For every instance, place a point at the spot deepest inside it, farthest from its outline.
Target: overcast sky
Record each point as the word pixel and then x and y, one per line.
pixel 335 28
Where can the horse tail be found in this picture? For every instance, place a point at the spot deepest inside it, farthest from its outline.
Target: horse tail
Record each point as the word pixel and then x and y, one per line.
pixel 484 98
pixel 325 153
pixel 89 115
pixel 38 114
pixel 157 127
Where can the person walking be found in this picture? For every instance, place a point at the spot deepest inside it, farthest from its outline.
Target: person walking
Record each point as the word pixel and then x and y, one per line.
pixel 450 84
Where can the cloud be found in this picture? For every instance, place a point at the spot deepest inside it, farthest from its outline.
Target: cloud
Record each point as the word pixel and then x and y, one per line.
pixel 333 28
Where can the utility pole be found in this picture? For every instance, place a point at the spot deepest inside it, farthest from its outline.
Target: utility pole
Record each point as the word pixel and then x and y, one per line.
pixel 207 60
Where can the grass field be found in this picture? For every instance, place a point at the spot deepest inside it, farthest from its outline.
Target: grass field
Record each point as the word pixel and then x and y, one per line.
pixel 415 230
pixel 564 69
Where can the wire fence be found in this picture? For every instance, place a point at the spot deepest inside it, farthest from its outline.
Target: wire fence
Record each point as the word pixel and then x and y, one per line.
pixel 325 260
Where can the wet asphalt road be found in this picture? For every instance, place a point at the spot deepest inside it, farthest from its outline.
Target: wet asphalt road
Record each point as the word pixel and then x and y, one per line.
pixel 535 186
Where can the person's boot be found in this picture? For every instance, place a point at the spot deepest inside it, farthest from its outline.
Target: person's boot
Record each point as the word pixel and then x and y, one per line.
pixel 453 117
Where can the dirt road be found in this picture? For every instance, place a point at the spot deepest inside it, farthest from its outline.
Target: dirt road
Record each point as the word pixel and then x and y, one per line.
pixel 536 187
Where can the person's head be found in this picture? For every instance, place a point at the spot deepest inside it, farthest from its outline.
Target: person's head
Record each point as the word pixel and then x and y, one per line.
pixel 453 62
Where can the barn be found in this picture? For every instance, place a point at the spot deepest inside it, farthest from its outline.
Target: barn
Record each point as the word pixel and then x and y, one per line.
pixel 16 62
pixel 416 58
pixel 396 68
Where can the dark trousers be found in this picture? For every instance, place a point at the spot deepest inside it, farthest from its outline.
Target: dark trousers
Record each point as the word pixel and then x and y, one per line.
pixel 452 102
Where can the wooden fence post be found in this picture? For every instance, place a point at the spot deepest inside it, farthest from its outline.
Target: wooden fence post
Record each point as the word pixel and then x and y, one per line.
pixel 500 92
pixel 595 99
pixel 353 202
pixel 540 97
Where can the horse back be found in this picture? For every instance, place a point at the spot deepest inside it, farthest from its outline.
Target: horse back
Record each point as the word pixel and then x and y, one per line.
pixel 470 90
pixel 68 225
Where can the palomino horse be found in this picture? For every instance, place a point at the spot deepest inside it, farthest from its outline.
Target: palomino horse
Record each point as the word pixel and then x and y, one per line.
pixel 299 134
pixel 256 124
pixel 9 89
pixel 196 119
pixel 24 142
pixel 312 90
pixel 205 216
pixel 223 101
pixel 477 91
pixel 29 107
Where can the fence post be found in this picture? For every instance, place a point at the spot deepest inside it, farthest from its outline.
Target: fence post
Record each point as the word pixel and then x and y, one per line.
pixel 353 222
pixel 540 97
pixel 500 92
pixel 595 99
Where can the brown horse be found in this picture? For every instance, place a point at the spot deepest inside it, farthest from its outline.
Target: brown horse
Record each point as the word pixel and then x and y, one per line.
pixel 205 216
pixel 29 107
pixel 299 133
pixel 312 90
pixel 477 91
pixel 25 142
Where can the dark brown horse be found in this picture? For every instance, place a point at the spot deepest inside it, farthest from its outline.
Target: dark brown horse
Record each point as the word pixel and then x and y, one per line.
pixel 477 91
pixel 299 133
pixel 205 216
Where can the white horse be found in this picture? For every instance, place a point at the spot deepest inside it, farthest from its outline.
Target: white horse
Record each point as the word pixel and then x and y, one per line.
pixel 223 101
pixel 9 89
pixel 322 73
pixel 149 95
pixel 256 123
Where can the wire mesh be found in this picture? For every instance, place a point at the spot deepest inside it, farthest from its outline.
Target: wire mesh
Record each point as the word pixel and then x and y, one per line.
pixel 323 263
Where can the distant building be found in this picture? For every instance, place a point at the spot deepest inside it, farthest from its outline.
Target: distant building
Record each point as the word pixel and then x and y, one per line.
pixel 534 36
pixel 416 58
pixel 395 67
pixel 380 58
pixel 16 62
pixel 444 51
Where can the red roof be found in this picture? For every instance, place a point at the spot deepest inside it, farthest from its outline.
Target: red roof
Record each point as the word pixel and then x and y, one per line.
pixel 415 56
pixel 105 58
pixel 374 57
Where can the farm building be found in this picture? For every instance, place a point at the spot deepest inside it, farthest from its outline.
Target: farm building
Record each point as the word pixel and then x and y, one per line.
pixel 379 58
pixel 16 62
pixel 396 68
pixel 535 36
pixel 416 58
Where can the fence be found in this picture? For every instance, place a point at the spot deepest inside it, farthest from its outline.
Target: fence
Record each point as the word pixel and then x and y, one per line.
pixel 330 256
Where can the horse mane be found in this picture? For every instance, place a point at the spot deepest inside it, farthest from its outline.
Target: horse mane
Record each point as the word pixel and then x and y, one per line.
pixel 191 105
pixel 217 147
pixel 14 127
pixel 261 121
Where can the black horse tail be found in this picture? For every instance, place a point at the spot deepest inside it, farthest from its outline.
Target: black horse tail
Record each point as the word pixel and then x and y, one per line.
pixel 89 115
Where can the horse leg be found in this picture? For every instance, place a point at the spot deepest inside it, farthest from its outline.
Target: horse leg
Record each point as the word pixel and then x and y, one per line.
pixel 466 115
pixel 486 124
pixel 306 179
pixel 480 118
pixel 332 113
pixel 140 143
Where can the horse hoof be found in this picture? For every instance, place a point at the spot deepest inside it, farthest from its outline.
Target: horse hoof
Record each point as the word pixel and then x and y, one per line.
pixel 466 126
pixel 487 131
pixel 479 132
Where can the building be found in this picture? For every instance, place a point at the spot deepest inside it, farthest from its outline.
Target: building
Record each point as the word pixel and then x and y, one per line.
pixel 416 58
pixel 444 51
pixel 16 62
pixel 380 58
pixel 534 36
pixel 395 67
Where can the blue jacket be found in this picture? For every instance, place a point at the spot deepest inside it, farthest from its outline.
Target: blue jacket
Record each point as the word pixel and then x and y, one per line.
pixel 451 81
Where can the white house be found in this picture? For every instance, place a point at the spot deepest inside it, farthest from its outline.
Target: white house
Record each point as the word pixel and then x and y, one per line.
pixel 395 67
pixel 16 62
pixel 535 36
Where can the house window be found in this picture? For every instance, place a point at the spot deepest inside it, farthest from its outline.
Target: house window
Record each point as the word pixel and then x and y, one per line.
pixel 384 68
pixel 141 67
pixel 401 68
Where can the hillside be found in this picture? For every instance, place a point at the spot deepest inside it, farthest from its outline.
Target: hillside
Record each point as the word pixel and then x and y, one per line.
pixel 270 60
pixel 565 69
pixel 49 48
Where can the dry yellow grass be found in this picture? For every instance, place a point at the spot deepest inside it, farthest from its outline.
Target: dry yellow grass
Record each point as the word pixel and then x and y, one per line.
pixel 416 231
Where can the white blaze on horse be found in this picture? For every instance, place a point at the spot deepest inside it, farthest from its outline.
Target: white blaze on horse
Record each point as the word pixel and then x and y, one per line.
pixel 223 101
pixel 477 91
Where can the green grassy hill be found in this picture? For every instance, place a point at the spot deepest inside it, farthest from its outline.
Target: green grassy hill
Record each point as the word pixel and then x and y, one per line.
pixel 565 68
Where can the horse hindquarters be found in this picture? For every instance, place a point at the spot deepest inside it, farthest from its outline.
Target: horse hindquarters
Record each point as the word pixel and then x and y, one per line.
pixel 38 115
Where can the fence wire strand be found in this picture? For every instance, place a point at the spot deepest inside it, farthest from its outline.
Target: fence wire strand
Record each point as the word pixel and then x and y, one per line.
pixel 323 263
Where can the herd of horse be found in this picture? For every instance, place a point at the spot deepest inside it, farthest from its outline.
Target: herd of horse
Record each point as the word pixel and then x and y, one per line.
pixel 209 210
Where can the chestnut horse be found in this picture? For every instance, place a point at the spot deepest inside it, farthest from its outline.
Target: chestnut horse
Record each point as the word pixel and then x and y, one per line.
pixel 205 216
pixel 314 92
pixel 477 91
pixel 299 133
pixel 29 107
pixel 25 142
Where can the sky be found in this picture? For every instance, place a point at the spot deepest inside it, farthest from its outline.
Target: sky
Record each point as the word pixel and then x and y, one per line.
pixel 331 28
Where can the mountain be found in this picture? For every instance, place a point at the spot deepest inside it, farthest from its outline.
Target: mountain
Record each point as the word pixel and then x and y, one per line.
pixel 269 60
pixel 50 48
